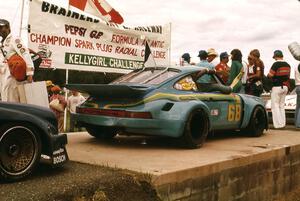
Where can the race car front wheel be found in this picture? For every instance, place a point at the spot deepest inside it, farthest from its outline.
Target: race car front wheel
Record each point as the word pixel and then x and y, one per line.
pixel 196 129
pixel 101 132
pixel 20 148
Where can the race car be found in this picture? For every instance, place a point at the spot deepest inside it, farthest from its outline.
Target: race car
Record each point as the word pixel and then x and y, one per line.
pixel 289 106
pixel 28 133
pixel 180 102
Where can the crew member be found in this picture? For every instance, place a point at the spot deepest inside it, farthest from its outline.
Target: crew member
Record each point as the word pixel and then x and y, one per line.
pixel 12 46
pixel 280 74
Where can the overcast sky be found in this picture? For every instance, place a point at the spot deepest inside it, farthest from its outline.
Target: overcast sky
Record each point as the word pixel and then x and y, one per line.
pixel 201 24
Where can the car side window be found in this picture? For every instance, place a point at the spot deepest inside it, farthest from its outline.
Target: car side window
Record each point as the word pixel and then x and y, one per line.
pixel 186 84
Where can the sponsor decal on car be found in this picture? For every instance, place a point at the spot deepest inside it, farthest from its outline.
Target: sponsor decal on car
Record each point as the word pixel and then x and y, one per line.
pixel 59 156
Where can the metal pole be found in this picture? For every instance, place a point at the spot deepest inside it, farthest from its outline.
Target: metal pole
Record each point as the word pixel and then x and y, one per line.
pixel 66 98
pixel 21 23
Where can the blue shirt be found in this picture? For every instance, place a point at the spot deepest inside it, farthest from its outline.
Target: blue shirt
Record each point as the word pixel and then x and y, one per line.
pixel 206 64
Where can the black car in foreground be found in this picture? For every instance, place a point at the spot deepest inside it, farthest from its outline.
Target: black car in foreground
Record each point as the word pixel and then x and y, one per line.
pixel 27 133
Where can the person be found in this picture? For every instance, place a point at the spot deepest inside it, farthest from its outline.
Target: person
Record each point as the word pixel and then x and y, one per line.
pixel 49 85
pixel 258 62
pixel 236 71
pixel 222 69
pixel 254 77
pixel 58 107
pixel 211 56
pixel 280 74
pixel 297 111
pixel 203 60
pixel 185 59
pixel 12 46
pixel 74 100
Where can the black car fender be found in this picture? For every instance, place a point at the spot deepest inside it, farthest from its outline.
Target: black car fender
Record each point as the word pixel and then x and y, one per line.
pixel 44 128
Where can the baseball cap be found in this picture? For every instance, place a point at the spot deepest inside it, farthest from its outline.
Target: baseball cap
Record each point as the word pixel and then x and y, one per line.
pixel 212 51
pixel 277 53
pixel 224 55
pixel 186 56
pixel 202 53
pixel 3 22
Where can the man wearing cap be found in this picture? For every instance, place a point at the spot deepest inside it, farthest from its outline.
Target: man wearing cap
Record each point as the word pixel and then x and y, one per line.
pixel 203 60
pixel 280 74
pixel 211 56
pixel 12 46
pixel 222 69
pixel 186 59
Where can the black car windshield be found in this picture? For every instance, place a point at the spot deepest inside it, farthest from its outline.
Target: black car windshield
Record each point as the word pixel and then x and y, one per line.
pixel 148 76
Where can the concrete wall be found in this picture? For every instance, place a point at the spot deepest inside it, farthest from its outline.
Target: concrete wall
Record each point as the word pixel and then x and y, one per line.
pixel 262 177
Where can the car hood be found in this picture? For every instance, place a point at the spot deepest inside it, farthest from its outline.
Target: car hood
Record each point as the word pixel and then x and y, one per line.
pixel 289 104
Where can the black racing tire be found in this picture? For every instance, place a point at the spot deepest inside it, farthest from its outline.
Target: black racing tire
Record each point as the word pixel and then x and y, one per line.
pixel 258 123
pixel 20 148
pixel 101 132
pixel 196 129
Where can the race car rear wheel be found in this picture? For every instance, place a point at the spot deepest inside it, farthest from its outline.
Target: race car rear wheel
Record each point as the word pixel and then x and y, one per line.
pixel 101 132
pixel 20 148
pixel 257 122
pixel 196 129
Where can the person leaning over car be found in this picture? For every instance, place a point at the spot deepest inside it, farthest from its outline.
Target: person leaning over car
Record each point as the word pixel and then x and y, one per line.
pixel 280 74
pixel 297 82
pixel 203 60
pixel 12 46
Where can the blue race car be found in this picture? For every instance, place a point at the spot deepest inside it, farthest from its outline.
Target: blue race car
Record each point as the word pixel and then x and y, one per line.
pixel 179 102
pixel 27 133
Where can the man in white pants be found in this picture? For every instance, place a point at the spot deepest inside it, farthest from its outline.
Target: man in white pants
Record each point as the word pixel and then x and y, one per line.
pixel 280 74
pixel 10 47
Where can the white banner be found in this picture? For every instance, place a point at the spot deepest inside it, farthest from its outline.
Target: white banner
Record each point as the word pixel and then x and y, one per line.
pixel 69 40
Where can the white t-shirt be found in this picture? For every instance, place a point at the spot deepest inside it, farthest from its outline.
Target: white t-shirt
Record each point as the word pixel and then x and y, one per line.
pixel 74 101
pixel 244 78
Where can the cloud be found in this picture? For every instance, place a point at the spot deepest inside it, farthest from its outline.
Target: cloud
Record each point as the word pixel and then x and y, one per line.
pixel 222 24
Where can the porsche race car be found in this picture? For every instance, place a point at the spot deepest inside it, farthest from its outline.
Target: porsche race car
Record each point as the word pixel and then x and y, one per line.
pixel 179 102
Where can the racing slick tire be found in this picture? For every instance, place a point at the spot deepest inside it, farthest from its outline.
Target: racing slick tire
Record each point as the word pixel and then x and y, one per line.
pixel 257 123
pixel 101 132
pixel 196 129
pixel 20 148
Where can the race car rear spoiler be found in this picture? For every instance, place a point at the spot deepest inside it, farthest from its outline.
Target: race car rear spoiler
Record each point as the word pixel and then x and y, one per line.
pixel 112 91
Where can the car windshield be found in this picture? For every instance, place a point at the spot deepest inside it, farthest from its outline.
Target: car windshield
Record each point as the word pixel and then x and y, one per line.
pixel 148 76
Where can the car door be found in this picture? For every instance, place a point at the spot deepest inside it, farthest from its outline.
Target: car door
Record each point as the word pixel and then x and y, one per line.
pixel 225 109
